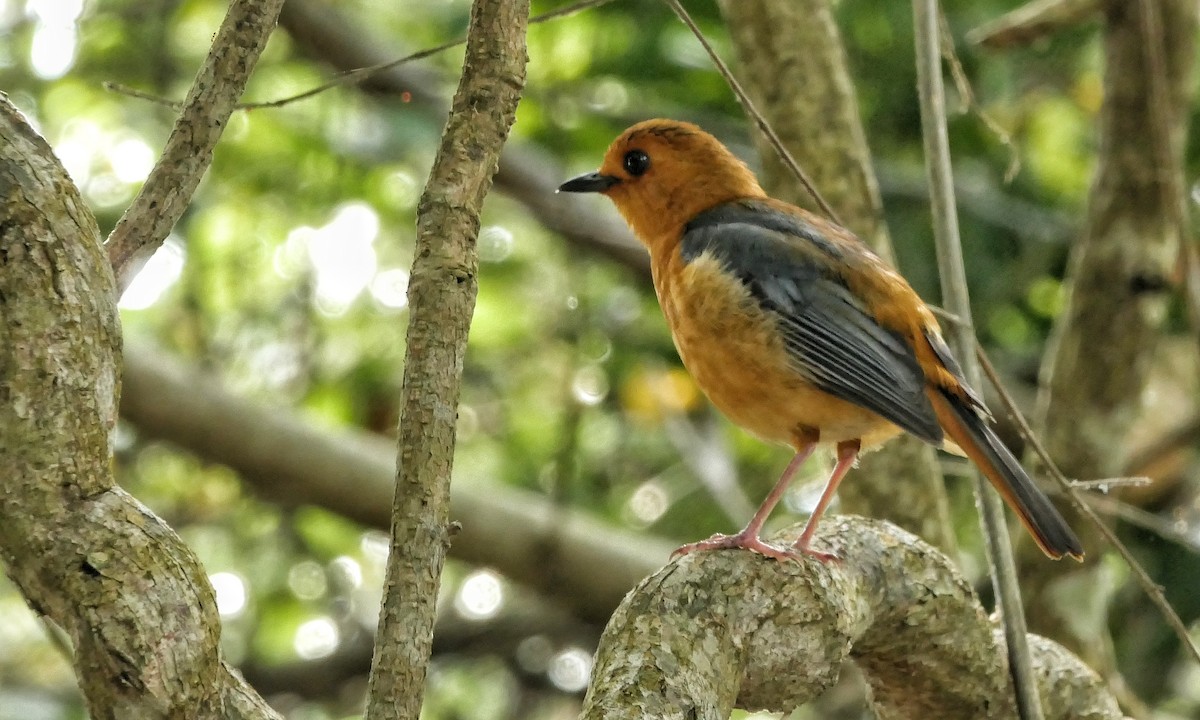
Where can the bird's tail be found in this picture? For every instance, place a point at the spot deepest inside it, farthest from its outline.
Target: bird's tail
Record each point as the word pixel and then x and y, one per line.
pixel 971 433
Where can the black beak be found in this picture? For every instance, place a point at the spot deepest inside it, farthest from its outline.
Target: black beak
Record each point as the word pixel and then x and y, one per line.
pixel 592 182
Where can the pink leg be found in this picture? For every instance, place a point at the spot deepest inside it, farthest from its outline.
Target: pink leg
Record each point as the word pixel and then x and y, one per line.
pixel 847 452
pixel 748 537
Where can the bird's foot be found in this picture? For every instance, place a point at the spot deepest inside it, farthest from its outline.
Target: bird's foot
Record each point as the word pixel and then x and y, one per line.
pixel 751 542
pixel 802 548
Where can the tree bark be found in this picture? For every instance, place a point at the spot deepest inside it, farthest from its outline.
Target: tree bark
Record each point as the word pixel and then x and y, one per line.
pixel 441 300
pixel 1102 348
pixel 714 631
pixel 131 596
pixel 793 65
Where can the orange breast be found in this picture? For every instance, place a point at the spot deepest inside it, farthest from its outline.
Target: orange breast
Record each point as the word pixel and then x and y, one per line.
pixel 733 350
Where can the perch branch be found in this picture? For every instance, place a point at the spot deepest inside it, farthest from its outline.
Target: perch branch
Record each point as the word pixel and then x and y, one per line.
pixel 718 630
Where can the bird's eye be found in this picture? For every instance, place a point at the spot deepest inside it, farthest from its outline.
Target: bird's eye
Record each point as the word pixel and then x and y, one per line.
pixel 636 162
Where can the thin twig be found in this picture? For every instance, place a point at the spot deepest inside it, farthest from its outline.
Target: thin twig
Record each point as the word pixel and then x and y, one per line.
pixel 1152 589
pixel 963 85
pixel 357 75
pixel 1148 521
pixel 1031 22
pixel 753 112
pixel 954 295
pixel 1106 484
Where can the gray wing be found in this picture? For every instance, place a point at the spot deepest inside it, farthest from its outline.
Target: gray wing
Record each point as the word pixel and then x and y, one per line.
pixel 834 343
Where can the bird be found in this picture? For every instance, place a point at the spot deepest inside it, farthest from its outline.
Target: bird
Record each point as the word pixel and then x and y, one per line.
pixel 795 329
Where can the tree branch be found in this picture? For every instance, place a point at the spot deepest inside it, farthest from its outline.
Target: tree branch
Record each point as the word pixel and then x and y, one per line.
pixel 132 597
pixel 188 152
pixel 1118 277
pixel 1032 21
pixel 716 630
pixel 576 560
pixel 441 301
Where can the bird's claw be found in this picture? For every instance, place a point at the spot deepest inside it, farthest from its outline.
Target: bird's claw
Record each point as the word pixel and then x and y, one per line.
pixel 754 544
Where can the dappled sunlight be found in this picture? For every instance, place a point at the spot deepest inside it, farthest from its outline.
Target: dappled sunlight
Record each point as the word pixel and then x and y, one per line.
pixel 55 38
pixel 569 669
pixel 232 593
pixel 590 385
pixel 306 580
pixel 342 256
pixel 648 503
pixel 480 596
pixel 390 289
pixel 160 272
pixel 316 638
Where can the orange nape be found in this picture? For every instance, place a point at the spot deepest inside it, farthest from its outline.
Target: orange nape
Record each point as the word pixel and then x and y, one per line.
pixel 794 328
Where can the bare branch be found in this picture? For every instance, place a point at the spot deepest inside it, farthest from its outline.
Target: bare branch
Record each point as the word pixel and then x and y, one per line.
pixel 188 153
pixel 131 596
pixel 953 275
pixel 716 630
pixel 441 301
pixel 1032 21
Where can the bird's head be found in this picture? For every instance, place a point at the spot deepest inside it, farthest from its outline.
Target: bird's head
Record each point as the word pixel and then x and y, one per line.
pixel 662 173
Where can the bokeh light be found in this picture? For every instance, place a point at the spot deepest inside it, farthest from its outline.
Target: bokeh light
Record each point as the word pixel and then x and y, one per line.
pixel 316 638
pixel 480 596
pixel 231 593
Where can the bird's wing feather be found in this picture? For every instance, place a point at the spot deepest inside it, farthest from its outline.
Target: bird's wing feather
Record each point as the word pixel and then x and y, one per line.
pixel 831 338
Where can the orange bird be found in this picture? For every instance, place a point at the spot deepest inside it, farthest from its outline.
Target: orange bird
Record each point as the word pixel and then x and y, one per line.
pixel 794 328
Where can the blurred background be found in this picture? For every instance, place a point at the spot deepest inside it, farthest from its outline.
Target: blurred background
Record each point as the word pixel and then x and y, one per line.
pixel 285 286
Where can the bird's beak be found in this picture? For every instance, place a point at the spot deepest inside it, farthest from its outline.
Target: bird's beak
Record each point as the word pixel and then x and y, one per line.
pixel 592 182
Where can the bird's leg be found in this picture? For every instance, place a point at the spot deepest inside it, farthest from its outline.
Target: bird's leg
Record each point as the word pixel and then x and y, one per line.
pixel 748 537
pixel 847 453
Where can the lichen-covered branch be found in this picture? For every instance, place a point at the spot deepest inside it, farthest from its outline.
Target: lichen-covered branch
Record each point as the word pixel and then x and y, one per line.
pixel 131 596
pixel 718 630
pixel 441 300
pixel 188 152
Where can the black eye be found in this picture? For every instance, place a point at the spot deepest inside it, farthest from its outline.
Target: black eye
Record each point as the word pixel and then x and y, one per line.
pixel 636 162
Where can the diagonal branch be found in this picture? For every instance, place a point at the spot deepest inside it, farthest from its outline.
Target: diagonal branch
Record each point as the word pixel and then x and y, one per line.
pixel 571 558
pixel 188 153
pixel 131 596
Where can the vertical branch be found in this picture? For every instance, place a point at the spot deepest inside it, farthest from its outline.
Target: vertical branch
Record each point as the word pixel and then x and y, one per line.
pixel 1100 353
pixel 956 299
pixel 442 299
pixel 793 65
pixel 188 152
